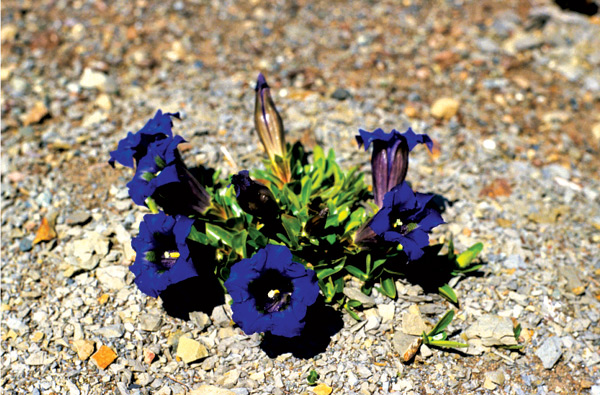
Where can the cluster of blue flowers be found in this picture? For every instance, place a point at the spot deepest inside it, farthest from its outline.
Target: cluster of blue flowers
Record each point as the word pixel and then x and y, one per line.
pixel 271 290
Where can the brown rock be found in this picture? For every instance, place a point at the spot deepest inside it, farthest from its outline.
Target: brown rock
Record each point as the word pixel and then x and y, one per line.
pixel 36 114
pixel 104 357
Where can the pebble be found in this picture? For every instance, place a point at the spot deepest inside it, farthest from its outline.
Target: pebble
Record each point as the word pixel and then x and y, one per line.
pixel 406 345
pixel 84 348
pixel 78 218
pixel 200 319
pixel 322 389
pixel 220 317
pixel 190 350
pixel 150 322
pixel 356 294
pixel 111 331
pixel 112 277
pixel 91 79
pixel 445 108
pixel 341 94
pixel 412 322
pixel 210 390
pixel 550 352
pixel 493 331
pixel 104 357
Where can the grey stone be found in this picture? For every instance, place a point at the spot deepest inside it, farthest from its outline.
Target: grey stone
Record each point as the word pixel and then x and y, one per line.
pixel 340 94
pixel 406 345
pixel 493 331
pixel 202 320
pixel 111 331
pixel 356 294
pixel 150 322
pixel 78 218
pixel 220 317
pixel 550 351
pixel 112 277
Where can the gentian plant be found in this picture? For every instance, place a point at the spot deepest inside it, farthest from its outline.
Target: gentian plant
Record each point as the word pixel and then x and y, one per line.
pixel 279 236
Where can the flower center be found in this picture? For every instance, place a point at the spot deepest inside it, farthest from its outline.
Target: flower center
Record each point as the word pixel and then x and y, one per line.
pixel 272 292
pixel 403 228
pixel 169 258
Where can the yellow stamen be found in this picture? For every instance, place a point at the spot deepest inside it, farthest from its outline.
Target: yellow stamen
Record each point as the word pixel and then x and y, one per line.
pixel 174 254
pixel 272 293
pixel 398 223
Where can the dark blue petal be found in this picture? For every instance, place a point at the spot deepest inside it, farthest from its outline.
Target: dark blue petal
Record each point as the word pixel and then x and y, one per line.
pixel 134 146
pixel 413 139
pixel 381 221
pixel 152 278
pixel 412 248
pixel 430 220
pixel 401 198
pixel 288 322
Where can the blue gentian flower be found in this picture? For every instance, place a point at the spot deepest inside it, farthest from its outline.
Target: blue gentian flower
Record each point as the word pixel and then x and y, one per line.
pixel 389 162
pixel 405 219
pixel 271 292
pixel 134 146
pixel 162 254
pixel 162 175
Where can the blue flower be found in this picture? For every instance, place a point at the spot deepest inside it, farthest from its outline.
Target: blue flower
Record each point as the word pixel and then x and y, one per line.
pixel 134 146
pixel 405 219
pixel 271 293
pixel 162 254
pixel 389 162
pixel 162 175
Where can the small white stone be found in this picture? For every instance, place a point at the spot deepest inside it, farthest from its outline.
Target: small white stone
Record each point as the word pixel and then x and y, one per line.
pixel 489 144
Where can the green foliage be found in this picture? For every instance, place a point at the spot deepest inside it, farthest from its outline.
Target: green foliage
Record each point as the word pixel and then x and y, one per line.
pixel 312 378
pixel 322 208
pixel 437 336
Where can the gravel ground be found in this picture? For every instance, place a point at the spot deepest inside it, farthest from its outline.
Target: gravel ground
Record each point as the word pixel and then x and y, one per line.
pixel 509 91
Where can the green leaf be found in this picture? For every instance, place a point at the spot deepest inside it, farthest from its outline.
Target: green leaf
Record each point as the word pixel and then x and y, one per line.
pixel 312 378
pixel 451 254
pixel 389 287
pixel 446 344
pixel 465 258
pixel 324 273
pixel 442 323
pixel 198 237
pixel 354 303
pixel 306 190
pixel 447 292
pixel 517 331
pixel 356 272
pixel 216 233
pixel 292 227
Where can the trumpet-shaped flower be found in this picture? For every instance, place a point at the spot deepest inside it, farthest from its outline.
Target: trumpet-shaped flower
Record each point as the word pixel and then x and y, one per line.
pixel 389 161
pixel 269 127
pixel 162 254
pixel 405 219
pixel 134 147
pixel 271 293
pixel 162 175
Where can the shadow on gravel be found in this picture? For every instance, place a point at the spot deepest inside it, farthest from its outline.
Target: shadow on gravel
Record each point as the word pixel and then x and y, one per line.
pixel 194 294
pixel 322 322
pixel 433 271
pixel 201 293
